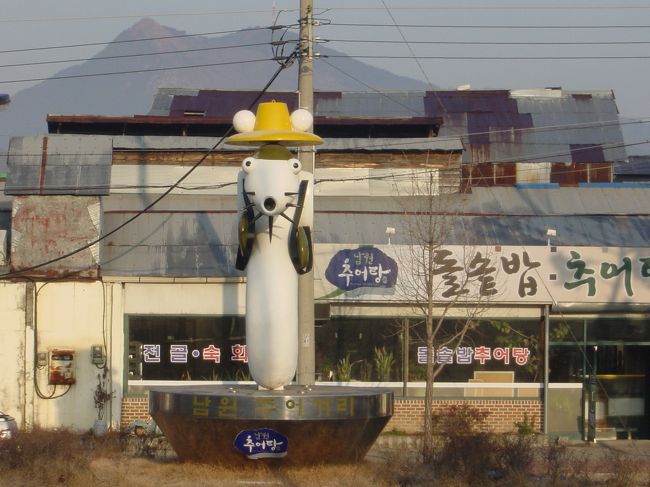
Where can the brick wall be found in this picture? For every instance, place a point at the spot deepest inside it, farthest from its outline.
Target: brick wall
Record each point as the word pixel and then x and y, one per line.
pixel 503 413
pixel 133 408
pixel 408 412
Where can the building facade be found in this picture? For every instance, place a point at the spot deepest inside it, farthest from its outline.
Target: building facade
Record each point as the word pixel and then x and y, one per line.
pixel 538 254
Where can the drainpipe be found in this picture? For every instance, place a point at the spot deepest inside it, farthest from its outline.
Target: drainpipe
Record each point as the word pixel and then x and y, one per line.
pixel 547 321
pixel 27 406
pixel 405 356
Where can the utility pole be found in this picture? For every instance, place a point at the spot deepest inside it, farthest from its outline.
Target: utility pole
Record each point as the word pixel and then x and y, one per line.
pixel 306 330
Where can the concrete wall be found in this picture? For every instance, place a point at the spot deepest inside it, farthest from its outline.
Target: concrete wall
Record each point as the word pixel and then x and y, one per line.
pixel 70 315
pixel 12 352
pixel 408 415
pixel 60 315
pixel 75 316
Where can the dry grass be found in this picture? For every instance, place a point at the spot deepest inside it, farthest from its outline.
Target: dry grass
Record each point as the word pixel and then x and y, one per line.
pixel 52 458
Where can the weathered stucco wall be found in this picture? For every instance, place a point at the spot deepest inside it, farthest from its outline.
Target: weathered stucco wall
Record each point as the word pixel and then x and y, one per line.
pixel 12 351
pixel 60 315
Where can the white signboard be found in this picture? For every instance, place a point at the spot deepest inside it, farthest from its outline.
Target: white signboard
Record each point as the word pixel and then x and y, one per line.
pixel 501 274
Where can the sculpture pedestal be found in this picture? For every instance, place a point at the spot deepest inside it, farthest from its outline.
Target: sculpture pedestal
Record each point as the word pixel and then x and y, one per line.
pixel 299 425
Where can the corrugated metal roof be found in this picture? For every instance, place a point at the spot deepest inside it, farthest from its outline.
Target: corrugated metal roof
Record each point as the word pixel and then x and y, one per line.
pixel 500 126
pixel 59 164
pixel 561 201
pixel 157 142
pixel 196 237
pixel 447 144
pixel 371 104
pixel 544 125
pixel 638 168
pixel 183 236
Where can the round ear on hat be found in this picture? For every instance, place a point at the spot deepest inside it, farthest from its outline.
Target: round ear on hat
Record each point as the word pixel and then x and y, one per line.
pixel 244 121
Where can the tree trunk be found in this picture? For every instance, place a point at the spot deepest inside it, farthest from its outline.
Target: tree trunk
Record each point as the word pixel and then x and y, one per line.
pixel 427 441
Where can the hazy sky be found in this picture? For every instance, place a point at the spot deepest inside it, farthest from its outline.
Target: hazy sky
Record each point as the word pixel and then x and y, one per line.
pixel 581 33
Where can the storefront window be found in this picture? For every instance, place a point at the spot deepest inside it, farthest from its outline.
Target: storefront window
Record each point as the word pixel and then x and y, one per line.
pixel 362 349
pixel 359 349
pixel 187 348
pixel 493 350
pixel 616 352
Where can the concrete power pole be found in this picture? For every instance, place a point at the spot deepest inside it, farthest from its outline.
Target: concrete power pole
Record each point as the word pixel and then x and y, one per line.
pixel 306 331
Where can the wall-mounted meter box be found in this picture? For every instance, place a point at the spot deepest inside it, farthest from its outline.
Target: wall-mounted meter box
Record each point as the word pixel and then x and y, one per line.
pixel 62 367
pixel 97 356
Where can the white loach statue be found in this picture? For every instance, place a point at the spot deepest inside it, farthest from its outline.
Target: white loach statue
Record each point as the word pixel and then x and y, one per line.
pixel 274 201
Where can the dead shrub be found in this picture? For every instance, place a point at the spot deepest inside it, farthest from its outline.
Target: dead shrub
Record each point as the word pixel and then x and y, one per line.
pixel 555 460
pixel 516 453
pixel 46 457
pixel 467 450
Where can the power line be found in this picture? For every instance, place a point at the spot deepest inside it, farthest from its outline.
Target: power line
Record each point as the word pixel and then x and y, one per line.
pixel 325 10
pixel 482 8
pixel 121 56
pixel 475 58
pixel 479 26
pixel 492 43
pixel 139 16
pixel 134 71
pixel 401 33
pixel 143 39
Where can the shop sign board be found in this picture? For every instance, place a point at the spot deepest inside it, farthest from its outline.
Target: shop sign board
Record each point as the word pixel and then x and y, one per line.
pixel 363 267
pixel 180 353
pixel 543 274
pixel 262 443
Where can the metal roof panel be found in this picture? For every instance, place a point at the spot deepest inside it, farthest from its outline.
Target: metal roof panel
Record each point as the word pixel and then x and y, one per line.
pixel 59 164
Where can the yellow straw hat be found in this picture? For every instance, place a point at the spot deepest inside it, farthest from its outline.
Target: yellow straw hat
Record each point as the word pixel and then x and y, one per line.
pixel 273 124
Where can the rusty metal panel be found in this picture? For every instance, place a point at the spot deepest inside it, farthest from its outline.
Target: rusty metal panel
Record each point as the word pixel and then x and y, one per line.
pixel 59 164
pixel 637 169
pixel 372 105
pixel 47 228
pixel 531 125
pixel 183 236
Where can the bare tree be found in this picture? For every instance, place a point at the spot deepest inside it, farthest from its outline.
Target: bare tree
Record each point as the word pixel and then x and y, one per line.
pixel 443 281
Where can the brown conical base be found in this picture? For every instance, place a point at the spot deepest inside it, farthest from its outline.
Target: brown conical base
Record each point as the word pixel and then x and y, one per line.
pixel 296 426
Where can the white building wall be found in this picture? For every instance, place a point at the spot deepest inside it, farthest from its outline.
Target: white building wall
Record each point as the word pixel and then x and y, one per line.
pixel 69 315
pixel 75 316
pixel 185 298
pixel 13 394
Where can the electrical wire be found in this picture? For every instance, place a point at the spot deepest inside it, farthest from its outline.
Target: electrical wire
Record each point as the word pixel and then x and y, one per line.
pixel 123 56
pixel 143 39
pixel 488 58
pixel 135 71
pixel 492 43
pixel 408 45
pixel 495 7
pixel 139 16
pixel 503 26
pixel 6 275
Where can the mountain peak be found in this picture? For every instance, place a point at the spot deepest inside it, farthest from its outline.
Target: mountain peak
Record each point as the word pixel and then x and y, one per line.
pixel 145 28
